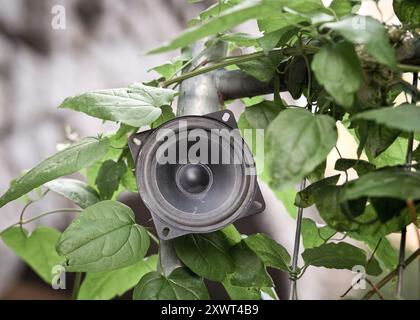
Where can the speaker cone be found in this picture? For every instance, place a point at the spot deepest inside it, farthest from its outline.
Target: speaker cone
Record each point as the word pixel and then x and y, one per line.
pixel 193 174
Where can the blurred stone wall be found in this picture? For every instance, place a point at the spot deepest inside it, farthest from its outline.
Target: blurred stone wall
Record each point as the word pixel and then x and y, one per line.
pixel 102 46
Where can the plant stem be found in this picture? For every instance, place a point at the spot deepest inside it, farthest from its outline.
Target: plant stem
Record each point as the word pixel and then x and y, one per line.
pixel 401 264
pixel 40 216
pixel 408 68
pixel 153 237
pixel 227 61
pixel 76 285
pixel 391 275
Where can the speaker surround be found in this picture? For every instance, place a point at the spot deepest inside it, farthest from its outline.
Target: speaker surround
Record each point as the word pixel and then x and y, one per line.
pixel 209 180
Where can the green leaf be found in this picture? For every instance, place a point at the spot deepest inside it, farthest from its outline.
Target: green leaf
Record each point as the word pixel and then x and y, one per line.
pixel 36 249
pixel 377 138
pixel 370 33
pixel 276 38
pixel 260 115
pixel 287 197
pixel 249 269
pixel 336 256
pixel 386 254
pixel 296 77
pixel 181 284
pixel 338 69
pixel 393 155
pixel 367 224
pixel 263 68
pixel 129 180
pixel 76 191
pixel 137 105
pixel 167 114
pixel 393 183
pixel 246 10
pixel 206 254
pixel 405 117
pixel 103 237
pixel 269 251
pixel 407 11
pixel 306 197
pixel 241 293
pixel 279 21
pixel 360 166
pixel 168 69
pixel 109 178
pixel 110 284
pixel 73 158
pixel 240 39
pixel 313 236
pixel 341 7
pixel 232 234
pixel 297 142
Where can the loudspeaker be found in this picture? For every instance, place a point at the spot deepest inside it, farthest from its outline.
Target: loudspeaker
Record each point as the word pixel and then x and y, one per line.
pixel 195 174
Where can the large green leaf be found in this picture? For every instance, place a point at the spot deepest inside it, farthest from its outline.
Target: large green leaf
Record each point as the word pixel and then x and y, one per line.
pixel 370 33
pixel 109 177
pixel 110 284
pixel 306 198
pixel 73 158
pixel 260 115
pixel 338 69
pixel 181 284
pixel 137 105
pixel 269 251
pixel 103 237
pixel 246 10
pixel 287 197
pixel 297 142
pixel 36 249
pixel 206 254
pixel 314 236
pixel 279 21
pixel 395 183
pixel 249 268
pixel 405 117
pixel 408 11
pixel 329 206
pixel 76 191
pixel 337 256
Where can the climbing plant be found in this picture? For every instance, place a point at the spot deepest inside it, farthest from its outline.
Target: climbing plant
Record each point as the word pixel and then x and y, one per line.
pixel 352 71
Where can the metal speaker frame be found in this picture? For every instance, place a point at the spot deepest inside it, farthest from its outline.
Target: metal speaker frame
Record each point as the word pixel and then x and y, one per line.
pixel 243 197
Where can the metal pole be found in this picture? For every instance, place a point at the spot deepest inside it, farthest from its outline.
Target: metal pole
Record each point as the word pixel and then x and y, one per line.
pixel 293 280
pixel 197 96
pixel 409 160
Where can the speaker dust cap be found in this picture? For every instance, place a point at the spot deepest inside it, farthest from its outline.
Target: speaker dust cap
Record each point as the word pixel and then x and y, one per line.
pixel 195 174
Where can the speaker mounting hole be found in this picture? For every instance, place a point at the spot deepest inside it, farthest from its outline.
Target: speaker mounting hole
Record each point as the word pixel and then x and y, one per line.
pixel 165 231
pixel 226 117
pixel 137 141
